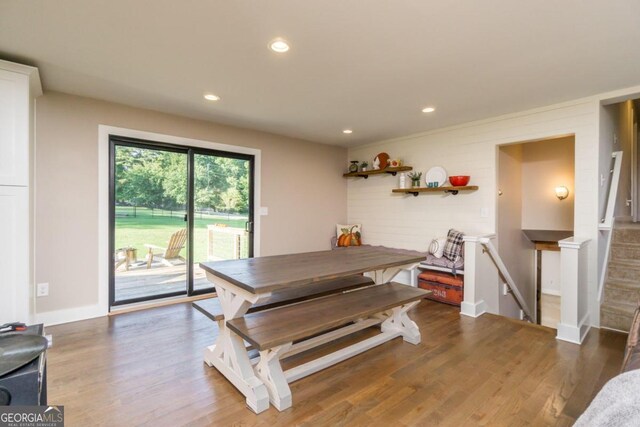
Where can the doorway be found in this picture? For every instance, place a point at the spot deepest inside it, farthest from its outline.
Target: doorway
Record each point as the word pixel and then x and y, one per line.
pixel 535 209
pixel 170 208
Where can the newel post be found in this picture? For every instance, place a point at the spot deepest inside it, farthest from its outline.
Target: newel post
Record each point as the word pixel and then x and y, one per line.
pixel 476 277
pixel 574 309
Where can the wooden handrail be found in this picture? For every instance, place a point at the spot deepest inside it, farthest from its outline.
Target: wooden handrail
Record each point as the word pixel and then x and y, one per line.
pixel 502 269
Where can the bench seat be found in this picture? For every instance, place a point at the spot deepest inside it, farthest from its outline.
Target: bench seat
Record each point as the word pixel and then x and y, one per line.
pixel 269 329
pixel 211 307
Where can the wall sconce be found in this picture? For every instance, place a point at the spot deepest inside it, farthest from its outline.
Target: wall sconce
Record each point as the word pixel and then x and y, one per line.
pixel 562 192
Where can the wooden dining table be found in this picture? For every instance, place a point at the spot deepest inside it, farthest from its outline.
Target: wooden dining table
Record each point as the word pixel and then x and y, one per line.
pixel 242 283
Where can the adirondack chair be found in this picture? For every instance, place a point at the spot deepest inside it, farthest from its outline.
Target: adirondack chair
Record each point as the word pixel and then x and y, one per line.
pixel 172 251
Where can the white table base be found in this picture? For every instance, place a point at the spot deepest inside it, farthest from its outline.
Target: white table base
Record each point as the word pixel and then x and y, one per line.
pixel 266 382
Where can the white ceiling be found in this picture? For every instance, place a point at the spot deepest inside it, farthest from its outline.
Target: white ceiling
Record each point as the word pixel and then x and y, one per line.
pixel 366 65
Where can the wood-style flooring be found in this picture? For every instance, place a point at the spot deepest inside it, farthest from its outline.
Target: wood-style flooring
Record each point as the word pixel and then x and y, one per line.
pixel 145 368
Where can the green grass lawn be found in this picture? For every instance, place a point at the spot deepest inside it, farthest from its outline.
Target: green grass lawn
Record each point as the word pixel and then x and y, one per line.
pixel 157 228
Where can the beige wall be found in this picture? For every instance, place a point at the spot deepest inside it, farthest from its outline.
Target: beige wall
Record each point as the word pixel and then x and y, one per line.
pixel 514 248
pixel 301 184
pixel 546 165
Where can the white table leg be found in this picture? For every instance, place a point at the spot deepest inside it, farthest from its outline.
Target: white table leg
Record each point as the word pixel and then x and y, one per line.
pixel 400 322
pixel 270 372
pixel 229 355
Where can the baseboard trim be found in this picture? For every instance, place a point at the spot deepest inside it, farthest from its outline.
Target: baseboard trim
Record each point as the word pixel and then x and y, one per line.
pixel 473 309
pixel 614 330
pixel 623 218
pixel 553 292
pixel 574 334
pixel 57 317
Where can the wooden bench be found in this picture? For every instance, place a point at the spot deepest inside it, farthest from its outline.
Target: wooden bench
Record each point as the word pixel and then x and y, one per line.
pixel 211 307
pixel 273 332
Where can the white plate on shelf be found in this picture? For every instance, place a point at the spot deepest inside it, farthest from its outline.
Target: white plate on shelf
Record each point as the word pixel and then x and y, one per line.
pixel 436 174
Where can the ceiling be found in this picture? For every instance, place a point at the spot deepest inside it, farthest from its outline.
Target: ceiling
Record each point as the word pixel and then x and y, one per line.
pixel 370 66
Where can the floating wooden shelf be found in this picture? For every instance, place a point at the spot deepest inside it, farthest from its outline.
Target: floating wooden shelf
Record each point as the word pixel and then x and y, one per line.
pixel 389 170
pixel 417 190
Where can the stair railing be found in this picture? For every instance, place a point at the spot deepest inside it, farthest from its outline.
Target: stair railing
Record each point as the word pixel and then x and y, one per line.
pixel 502 269
pixel 606 223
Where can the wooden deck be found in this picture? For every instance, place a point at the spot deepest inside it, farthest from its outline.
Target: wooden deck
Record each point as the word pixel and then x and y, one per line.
pixel 142 282
pixel 146 368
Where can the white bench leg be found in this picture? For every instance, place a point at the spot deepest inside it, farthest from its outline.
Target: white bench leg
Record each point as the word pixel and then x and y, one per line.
pixel 399 321
pixel 386 275
pixel 229 355
pixel 270 372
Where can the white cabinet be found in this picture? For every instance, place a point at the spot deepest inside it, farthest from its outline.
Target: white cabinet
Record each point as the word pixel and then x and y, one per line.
pixel 14 128
pixel 14 254
pixel 19 85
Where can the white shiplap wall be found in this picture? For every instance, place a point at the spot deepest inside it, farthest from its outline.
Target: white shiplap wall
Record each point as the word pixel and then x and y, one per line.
pixel 411 222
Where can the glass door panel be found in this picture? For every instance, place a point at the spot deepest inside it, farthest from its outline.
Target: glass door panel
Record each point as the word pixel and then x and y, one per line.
pixel 149 220
pixel 222 217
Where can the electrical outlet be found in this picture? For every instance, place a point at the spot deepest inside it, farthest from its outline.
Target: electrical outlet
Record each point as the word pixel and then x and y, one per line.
pixel 602 180
pixel 42 289
pixel 484 213
pixel 615 139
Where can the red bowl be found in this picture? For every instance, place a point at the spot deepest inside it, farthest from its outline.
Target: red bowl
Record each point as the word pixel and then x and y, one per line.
pixel 459 180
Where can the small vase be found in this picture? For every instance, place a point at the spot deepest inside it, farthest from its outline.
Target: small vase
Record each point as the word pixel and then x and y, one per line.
pixel 364 169
pixel 415 183
pixel 402 180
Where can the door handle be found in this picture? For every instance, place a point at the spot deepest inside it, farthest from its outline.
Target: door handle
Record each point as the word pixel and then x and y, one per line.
pixel 248 226
pixel 185 217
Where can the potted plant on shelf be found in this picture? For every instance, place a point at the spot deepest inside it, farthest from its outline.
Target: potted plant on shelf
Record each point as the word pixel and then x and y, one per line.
pixel 415 178
pixel 363 166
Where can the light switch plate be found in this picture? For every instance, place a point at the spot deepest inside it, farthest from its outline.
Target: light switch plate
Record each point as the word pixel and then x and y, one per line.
pixel 264 210
pixel 42 289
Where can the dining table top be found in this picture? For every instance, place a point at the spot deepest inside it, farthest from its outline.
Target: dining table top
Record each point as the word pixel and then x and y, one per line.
pixel 280 272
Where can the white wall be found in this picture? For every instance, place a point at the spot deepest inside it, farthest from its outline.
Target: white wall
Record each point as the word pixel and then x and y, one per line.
pixel 410 222
pixel 550 277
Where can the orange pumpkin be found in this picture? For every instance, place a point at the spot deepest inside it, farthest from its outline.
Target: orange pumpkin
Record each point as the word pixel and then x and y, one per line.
pixel 349 238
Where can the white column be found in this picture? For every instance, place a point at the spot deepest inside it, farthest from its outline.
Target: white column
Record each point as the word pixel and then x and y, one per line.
pixel 479 281
pixel 574 311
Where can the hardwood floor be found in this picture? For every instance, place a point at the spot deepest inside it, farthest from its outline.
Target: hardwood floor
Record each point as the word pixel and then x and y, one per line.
pixel 145 368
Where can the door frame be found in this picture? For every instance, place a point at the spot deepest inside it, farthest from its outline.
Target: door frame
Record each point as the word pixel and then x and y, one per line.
pixel 104 132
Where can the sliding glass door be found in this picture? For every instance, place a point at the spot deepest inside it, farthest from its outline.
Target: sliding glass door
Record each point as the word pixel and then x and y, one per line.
pixel 171 208
pixel 221 211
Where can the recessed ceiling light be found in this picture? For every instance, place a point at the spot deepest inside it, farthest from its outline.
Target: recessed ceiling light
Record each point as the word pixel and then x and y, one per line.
pixel 279 45
pixel 428 110
pixel 211 97
pixel 347 131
